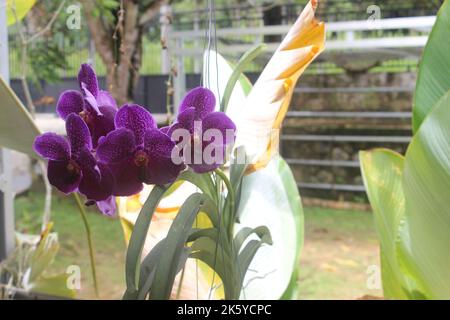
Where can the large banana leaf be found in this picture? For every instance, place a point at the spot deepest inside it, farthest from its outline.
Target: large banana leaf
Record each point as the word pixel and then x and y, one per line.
pixel 412 210
pixel 382 171
pixel 433 79
pixel 426 183
pixel 18 9
pixel 17 128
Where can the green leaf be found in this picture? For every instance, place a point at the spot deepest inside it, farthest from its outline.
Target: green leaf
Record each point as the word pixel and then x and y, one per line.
pixel 426 184
pixel 202 181
pixel 237 171
pixel 148 267
pixel 382 172
pixel 217 258
pixel 248 57
pixel 211 233
pixel 433 79
pixel 17 128
pixel 248 253
pixel 137 240
pixel 270 197
pixel 174 246
pixel 44 255
pixel 217 71
pixel 262 232
pixel 54 286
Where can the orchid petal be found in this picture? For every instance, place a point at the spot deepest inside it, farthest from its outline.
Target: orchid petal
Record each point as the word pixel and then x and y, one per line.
pixel 78 133
pixel 116 146
pixel 127 177
pixel 70 101
pixel 61 177
pixel 136 119
pixel 105 99
pixel 102 124
pixel 108 207
pixel 52 146
pixel 160 168
pixel 202 99
pixel 88 79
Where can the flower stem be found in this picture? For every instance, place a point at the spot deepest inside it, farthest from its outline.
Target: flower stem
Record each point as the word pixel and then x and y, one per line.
pixel 89 240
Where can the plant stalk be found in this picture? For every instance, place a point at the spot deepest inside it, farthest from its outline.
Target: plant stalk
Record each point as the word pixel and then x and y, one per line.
pixel 230 194
pixel 89 240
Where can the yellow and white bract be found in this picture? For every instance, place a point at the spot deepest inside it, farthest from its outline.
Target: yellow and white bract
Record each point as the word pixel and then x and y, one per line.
pixel 268 102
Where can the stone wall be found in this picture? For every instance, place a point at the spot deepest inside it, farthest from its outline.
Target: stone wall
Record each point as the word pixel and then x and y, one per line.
pixel 345 151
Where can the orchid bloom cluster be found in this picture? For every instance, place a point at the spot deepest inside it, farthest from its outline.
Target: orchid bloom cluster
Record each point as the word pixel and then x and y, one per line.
pixel 112 151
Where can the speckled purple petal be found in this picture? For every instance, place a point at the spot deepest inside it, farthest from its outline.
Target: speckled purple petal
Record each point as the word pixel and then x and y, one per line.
pixel 92 104
pixel 105 99
pixel 108 207
pixel 165 129
pixel 97 183
pixel 160 169
pixel 203 168
pixel 87 76
pixel 85 159
pixel 70 101
pixel 220 121
pixel 78 133
pixel 135 118
pixel 102 124
pixel 63 179
pixel 172 129
pixel 202 99
pixel 52 146
pixel 127 178
pixel 116 146
pixel 187 118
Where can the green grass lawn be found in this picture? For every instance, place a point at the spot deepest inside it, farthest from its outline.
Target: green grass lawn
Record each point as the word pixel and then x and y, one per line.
pixel 339 246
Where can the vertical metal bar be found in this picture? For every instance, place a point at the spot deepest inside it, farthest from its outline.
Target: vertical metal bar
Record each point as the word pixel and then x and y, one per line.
pixel 6 190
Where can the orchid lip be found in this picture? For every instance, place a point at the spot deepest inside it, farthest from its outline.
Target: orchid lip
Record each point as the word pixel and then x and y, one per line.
pixel 86 116
pixel 73 167
pixel 141 158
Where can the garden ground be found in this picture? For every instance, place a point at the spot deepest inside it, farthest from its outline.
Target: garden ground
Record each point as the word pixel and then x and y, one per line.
pixel 339 248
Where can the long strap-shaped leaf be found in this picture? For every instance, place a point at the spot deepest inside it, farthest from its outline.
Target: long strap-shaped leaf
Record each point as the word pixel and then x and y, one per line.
pixel 174 245
pixel 433 80
pixel 17 128
pixel 248 57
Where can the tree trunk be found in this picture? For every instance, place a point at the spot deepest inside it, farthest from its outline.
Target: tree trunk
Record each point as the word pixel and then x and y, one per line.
pixel 120 47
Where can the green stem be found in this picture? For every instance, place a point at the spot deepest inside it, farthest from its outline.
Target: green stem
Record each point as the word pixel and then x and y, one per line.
pixel 231 196
pixel 89 239
pixel 248 57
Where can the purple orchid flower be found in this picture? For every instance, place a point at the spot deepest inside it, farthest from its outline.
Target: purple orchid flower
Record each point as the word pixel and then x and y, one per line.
pixel 137 152
pixel 97 107
pixel 198 107
pixel 71 165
